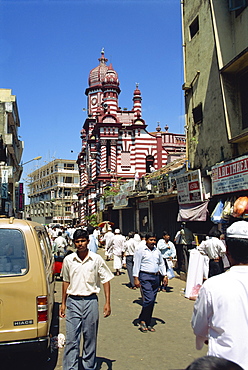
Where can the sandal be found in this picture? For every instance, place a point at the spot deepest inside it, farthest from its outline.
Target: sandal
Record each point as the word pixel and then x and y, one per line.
pixel 143 328
pixel 151 328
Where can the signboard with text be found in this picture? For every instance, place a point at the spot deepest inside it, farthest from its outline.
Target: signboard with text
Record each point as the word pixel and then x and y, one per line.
pixel 189 187
pixel 230 176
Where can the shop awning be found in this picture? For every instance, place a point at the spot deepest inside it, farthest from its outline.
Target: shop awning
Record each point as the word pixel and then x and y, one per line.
pixel 193 212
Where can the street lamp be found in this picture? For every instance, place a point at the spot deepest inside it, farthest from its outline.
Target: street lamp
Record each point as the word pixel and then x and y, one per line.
pixel 34 159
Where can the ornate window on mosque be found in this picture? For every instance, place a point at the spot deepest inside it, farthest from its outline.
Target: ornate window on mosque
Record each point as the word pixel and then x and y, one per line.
pixel 108 119
pixel 125 161
pixel 149 163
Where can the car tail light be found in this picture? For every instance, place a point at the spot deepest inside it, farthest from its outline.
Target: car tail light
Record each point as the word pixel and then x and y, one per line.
pixel 42 308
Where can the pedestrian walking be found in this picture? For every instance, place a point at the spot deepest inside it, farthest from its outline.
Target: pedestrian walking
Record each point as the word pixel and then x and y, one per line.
pixel 215 249
pixel 59 245
pixel 118 248
pixel 148 263
pixel 82 271
pixel 168 251
pixel 220 316
pixel 183 239
pixel 130 245
pixel 93 242
pixel 107 241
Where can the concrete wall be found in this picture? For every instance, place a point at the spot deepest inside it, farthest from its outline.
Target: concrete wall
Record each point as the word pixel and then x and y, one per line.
pixel 219 39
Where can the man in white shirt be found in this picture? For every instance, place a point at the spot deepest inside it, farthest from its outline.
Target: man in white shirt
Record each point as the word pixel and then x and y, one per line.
pixel 215 249
pixel 220 317
pixel 130 246
pixel 59 245
pixel 107 239
pixel 82 273
pixel 118 248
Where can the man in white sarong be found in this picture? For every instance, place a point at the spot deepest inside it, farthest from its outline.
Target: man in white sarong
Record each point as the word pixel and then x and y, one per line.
pixel 118 248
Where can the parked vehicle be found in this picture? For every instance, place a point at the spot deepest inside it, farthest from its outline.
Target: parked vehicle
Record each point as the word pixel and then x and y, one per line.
pixel 26 286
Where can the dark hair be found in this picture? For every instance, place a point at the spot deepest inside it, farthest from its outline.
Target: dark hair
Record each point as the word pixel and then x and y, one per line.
pixel 90 229
pixel 213 363
pixel 60 233
pixel 238 249
pixel 131 234
pixel 214 232
pixel 165 233
pixel 80 233
pixel 150 234
pixel 143 234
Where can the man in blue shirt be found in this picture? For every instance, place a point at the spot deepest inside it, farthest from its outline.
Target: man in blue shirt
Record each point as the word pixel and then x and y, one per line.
pixel 148 264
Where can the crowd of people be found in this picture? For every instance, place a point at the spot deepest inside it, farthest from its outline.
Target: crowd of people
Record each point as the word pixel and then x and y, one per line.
pixel 216 320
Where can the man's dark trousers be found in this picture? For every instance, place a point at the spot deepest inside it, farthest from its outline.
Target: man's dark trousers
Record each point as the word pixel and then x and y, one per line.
pixel 149 288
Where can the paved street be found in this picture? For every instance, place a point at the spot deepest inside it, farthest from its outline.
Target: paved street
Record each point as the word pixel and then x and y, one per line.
pixel 122 346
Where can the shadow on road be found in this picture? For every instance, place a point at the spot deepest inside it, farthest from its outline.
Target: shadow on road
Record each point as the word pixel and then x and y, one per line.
pixel 99 361
pixel 154 321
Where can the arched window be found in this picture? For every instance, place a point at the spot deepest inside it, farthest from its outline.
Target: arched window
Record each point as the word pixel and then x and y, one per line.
pixel 149 162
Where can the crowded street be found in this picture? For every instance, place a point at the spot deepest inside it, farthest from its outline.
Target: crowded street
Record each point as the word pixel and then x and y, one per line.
pixel 124 204
pixel 121 345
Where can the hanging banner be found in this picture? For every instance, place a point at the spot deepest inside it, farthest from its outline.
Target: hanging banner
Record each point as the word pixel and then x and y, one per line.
pixel 5 176
pixel 189 187
pixel 230 176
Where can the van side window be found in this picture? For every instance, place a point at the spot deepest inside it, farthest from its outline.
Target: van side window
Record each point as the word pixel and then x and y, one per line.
pixel 13 254
pixel 45 247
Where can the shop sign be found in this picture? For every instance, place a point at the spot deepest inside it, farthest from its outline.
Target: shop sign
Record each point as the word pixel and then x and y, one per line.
pixel 143 204
pixel 230 176
pixel 61 218
pixel 189 187
pixel 120 200
pixel 101 204
pixel 4 191
pixel 127 186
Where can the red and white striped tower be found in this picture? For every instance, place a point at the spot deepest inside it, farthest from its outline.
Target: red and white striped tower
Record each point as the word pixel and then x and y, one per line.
pixel 137 101
pixel 103 162
pixel 113 155
pixel 82 211
pixel 110 91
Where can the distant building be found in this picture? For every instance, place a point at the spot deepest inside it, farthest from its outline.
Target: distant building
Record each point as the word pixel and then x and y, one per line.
pixel 53 192
pixel 115 142
pixel 11 148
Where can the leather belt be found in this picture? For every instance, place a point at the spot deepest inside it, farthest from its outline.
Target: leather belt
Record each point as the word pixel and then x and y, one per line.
pixel 81 296
pixel 150 273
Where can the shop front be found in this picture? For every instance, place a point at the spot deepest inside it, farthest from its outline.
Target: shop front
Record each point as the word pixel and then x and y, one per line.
pixel 230 191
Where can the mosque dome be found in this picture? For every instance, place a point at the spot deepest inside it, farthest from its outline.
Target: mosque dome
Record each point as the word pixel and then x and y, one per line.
pixel 111 76
pixel 103 73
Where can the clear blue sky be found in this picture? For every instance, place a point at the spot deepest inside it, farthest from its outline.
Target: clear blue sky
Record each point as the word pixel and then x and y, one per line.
pixel 48 48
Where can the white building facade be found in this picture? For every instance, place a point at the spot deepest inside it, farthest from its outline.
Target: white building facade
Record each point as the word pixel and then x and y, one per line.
pixel 53 190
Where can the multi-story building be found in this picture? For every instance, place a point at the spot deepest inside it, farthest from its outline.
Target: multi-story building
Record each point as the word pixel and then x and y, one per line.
pixel 215 47
pixel 53 192
pixel 216 76
pixel 115 142
pixel 11 148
